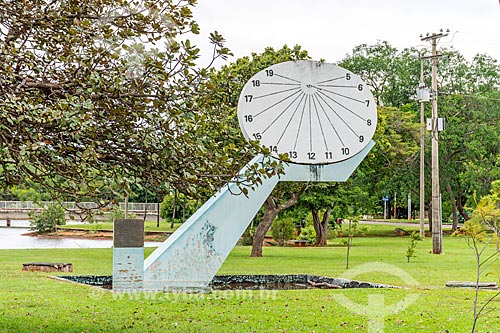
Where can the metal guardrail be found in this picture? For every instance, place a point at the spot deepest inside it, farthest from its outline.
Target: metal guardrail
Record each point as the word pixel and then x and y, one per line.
pixel 30 205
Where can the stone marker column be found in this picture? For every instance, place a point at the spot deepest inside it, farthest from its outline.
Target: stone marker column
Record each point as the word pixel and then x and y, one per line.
pixel 128 255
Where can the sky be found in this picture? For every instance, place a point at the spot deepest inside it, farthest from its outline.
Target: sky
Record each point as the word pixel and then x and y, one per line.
pixel 330 29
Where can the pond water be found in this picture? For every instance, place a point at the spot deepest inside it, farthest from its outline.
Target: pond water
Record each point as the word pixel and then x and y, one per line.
pixel 26 223
pixel 14 238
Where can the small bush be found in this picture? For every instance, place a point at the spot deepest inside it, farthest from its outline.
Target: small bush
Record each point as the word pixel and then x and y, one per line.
pixel 115 213
pixel 461 219
pixel 48 219
pixel 184 207
pixel 309 234
pixel 247 237
pixel 414 238
pixel 282 230
pixel 331 233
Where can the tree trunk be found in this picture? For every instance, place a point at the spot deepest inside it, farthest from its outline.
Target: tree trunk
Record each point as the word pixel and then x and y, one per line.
pixel 316 223
pixel 461 208
pixel 453 207
pixel 454 214
pixel 320 226
pixel 271 210
pixel 429 209
pixel 495 229
pixel 270 213
pixel 173 210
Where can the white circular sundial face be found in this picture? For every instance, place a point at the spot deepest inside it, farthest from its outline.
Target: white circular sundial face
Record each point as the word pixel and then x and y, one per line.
pixel 315 112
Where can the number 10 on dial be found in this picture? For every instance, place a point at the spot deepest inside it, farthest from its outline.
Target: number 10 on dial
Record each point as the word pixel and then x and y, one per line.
pixel 315 112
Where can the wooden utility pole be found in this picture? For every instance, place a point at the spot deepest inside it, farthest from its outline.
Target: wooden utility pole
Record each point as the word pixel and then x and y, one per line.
pixel 437 234
pixel 126 205
pixel 409 205
pixel 395 206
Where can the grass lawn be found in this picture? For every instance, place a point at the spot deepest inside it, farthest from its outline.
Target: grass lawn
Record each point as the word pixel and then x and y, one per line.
pixel 31 302
pixel 369 230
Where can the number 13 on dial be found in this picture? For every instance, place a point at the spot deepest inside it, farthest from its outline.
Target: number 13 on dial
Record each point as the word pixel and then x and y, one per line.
pixel 315 112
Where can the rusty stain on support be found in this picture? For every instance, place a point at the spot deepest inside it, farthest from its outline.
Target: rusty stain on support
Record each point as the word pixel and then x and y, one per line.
pixel 128 272
pixel 315 172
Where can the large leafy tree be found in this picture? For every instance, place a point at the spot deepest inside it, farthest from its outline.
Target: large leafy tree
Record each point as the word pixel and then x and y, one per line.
pixel 389 167
pixel 468 100
pixel 469 145
pixel 99 95
pixel 391 74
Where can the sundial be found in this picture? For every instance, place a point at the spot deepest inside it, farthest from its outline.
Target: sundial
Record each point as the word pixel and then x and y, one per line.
pixel 315 112
pixel 321 115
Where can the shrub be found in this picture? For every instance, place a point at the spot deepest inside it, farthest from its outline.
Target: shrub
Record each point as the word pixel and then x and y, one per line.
pixel 309 234
pixel 115 213
pixel 48 219
pixel 184 207
pixel 247 237
pixel 461 219
pixel 331 234
pixel 282 230
pixel 414 238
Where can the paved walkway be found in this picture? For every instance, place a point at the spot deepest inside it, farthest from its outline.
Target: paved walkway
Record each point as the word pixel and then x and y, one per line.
pixel 402 224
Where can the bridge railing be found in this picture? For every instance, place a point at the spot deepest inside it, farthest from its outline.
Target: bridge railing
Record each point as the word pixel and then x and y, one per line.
pixel 30 205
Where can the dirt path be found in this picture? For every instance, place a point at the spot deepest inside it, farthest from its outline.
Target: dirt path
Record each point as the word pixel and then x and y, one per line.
pixel 401 224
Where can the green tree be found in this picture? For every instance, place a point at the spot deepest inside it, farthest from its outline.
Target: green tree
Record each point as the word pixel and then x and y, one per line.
pixel 100 95
pixel 468 99
pixel 320 197
pixel 469 145
pixel 390 166
pixel 479 233
pixel 487 213
pixel 282 230
pixel 48 219
pixel 392 75
pixel 177 207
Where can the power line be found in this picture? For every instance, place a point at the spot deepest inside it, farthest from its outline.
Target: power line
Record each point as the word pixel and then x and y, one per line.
pixel 477 38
